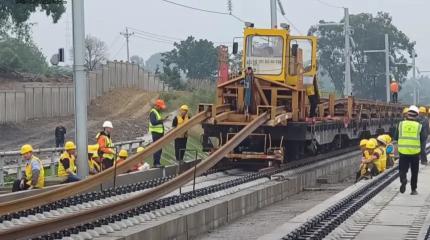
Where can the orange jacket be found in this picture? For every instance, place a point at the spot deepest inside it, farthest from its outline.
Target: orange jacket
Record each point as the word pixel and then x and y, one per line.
pixel 102 141
pixel 394 87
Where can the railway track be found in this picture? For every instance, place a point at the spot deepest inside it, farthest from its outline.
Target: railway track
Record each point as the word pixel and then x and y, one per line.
pixel 325 222
pixel 118 205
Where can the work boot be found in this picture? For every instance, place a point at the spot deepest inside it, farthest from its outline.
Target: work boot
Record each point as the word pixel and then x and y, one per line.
pixel 414 192
pixel 403 188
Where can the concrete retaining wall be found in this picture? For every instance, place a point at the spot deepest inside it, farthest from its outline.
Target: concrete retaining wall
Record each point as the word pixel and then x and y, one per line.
pixel 41 100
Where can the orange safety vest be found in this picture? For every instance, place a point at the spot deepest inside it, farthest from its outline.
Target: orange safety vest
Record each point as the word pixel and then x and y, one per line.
pixel 394 87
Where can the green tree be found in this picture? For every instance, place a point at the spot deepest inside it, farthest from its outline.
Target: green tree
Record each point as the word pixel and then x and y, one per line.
pixel 153 62
pixel 171 76
pixel 14 16
pixel 367 31
pixel 196 58
pixel 19 56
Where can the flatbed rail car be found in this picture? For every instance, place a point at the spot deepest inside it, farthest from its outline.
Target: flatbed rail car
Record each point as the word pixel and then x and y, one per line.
pixel 278 69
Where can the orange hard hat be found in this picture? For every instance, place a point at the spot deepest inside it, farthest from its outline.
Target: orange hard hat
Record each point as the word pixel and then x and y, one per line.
pixel 160 103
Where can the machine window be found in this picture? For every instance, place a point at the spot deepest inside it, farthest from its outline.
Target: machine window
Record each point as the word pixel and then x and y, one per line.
pixel 305 47
pixel 264 54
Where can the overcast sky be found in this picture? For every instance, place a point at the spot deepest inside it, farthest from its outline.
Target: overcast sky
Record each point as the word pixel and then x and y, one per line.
pixel 105 19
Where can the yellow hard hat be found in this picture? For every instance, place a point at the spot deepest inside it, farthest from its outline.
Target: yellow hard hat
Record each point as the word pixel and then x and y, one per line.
pixel 363 142
pixel 405 110
pixel 93 148
pixel 382 139
pixel 140 149
pixel 370 145
pixel 374 141
pixel 423 110
pixel 388 138
pixel 69 146
pixel 184 107
pixel 123 153
pixel 26 149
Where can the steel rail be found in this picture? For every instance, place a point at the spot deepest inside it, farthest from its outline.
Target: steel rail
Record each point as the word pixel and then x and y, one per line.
pixel 40 228
pixel 77 187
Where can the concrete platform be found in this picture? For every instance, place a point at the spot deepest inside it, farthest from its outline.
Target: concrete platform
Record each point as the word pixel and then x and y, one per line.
pixel 389 215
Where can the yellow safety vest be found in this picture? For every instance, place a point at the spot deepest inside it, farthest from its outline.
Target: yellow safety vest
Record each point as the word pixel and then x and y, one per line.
pixel 310 90
pixel 159 128
pixel 378 162
pixel 409 137
pixel 382 157
pixel 29 173
pixel 109 145
pixel 182 121
pixel 61 170
pixel 94 166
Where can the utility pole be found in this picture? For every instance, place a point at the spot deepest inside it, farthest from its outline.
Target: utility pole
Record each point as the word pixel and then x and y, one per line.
pixel 387 67
pixel 127 36
pixel 414 78
pixel 273 16
pixel 348 86
pixel 80 81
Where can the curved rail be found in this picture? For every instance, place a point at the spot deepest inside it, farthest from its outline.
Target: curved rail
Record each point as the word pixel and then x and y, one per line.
pixel 39 228
pixel 77 187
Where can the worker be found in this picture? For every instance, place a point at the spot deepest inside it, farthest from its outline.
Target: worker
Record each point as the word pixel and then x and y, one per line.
pixel 156 127
pixel 312 93
pixel 181 142
pixel 122 156
pixel 247 85
pixel 142 166
pixel 381 148
pixel 369 164
pixel 409 136
pixel 394 87
pixel 375 156
pixel 60 133
pixel 66 166
pixel 363 168
pixel 106 150
pixel 33 175
pixel 405 113
pixel 425 128
pixel 93 159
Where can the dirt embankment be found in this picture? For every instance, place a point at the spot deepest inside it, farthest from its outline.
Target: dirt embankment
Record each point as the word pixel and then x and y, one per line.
pixel 126 108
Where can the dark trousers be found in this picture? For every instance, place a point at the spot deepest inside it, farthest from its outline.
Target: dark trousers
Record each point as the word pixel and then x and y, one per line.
pixel 412 161
pixel 17 186
pixel 59 142
pixel 423 154
pixel 157 154
pixel 313 101
pixel 180 146
pixel 107 163
pixel 71 178
pixel 394 95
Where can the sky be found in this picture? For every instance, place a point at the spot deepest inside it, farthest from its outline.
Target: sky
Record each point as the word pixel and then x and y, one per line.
pixel 105 19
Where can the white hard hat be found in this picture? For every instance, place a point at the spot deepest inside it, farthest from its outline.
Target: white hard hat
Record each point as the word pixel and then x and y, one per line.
pixel 107 124
pixel 413 108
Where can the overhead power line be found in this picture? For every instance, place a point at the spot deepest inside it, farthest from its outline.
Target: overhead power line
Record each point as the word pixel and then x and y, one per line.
pixel 203 10
pixel 328 4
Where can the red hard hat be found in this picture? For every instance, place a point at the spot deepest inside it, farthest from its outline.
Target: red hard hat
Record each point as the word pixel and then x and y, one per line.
pixel 160 103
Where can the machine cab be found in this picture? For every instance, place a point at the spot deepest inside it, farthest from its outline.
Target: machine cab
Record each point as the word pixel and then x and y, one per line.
pixel 277 56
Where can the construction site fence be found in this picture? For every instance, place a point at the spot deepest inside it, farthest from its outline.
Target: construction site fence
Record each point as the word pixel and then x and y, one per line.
pixel 44 100
pixel 12 165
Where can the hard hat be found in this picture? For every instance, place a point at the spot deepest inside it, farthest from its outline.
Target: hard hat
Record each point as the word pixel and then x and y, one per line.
pixel 363 142
pixel 414 109
pixel 184 107
pixel 107 124
pixel 69 146
pixel 93 148
pixel 370 145
pixel 26 149
pixel 140 149
pixel 405 110
pixel 423 110
pixel 388 138
pixel 382 139
pixel 160 103
pixel 374 141
pixel 123 153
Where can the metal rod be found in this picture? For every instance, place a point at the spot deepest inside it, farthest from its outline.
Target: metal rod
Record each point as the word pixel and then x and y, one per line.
pixel 387 68
pixel 273 16
pixel 348 87
pixel 80 80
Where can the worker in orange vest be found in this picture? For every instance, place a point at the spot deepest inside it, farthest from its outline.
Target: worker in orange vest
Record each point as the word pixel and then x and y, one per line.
pixel 394 87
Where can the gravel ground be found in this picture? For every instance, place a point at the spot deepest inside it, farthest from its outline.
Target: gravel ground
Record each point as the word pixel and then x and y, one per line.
pixel 267 219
